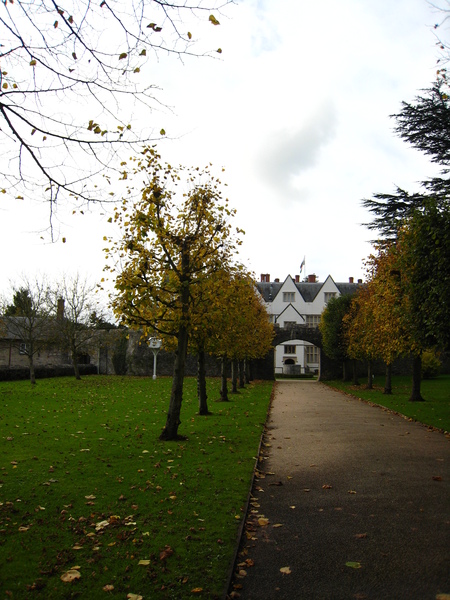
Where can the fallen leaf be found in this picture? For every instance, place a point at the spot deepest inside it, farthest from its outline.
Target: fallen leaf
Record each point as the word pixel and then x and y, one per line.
pixel 278 525
pixel 166 553
pixel 353 565
pixel 360 536
pixel 101 525
pixel 134 597
pixel 108 587
pixel 443 597
pixel 327 487
pixel 437 478
pixel 263 521
pixel 70 576
pixel 285 570
pixel 197 590
pixel 144 562
pixel 351 492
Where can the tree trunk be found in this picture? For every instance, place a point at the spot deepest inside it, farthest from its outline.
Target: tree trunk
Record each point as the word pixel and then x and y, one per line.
pixel 242 373
pixel 416 396
pixel 388 380
pixel 170 431
pixel 355 372
pixel 201 385
pixel 76 368
pixel 234 376
pixel 369 375
pixel 248 371
pixel 32 373
pixel 223 387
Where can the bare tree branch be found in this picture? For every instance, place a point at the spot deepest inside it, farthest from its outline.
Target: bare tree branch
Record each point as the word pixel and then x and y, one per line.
pixel 70 86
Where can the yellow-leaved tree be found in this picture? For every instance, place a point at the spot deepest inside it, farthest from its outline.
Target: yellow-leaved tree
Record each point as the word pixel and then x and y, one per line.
pixel 174 239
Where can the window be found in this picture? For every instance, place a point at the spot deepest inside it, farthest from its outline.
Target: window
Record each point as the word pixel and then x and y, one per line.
pixel 23 348
pixel 288 296
pixel 312 320
pixel 290 349
pixel 328 296
pixel 312 354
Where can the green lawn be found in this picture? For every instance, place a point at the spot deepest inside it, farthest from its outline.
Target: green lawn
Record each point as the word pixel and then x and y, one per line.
pixel 86 483
pixel 435 411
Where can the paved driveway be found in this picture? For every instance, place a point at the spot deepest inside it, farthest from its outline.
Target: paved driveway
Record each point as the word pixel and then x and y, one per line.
pixel 357 502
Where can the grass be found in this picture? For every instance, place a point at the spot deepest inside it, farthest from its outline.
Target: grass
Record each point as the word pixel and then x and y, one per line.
pixel 435 411
pixel 86 483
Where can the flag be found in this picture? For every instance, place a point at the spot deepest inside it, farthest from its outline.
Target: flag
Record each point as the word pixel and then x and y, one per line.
pixel 302 264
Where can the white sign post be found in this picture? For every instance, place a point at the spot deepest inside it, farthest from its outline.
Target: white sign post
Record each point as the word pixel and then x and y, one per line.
pixel 155 346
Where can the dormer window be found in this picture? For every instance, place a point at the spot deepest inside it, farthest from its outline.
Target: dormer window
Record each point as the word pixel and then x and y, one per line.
pixel 328 296
pixel 288 296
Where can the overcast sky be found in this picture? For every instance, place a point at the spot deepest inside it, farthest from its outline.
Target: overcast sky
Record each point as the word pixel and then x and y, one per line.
pixel 296 109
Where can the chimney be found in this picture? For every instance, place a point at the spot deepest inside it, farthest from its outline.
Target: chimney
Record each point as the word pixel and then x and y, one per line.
pixel 277 280
pixel 297 279
pixel 60 309
pixel 359 280
pixel 265 277
pixel 311 279
pixel 350 279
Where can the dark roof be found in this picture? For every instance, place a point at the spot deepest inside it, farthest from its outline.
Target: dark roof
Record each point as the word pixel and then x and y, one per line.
pixel 309 291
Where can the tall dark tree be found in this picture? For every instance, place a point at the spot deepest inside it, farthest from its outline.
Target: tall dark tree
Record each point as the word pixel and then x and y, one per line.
pixel 334 342
pixel 418 223
pixel 425 124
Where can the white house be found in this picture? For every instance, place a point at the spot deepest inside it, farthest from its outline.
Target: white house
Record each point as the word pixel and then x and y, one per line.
pixel 295 302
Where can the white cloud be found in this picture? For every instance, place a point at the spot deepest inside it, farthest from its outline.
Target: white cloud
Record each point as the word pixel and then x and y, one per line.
pixel 287 153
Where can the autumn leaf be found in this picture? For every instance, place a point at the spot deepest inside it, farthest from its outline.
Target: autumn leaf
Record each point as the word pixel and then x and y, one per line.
pixel 197 590
pixel 166 553
pixel 70 576
pixel 327 487
pixel 144 563
pixel 353 565
pixel 263 521
pixel 285 570
pixel 213 20
pixel 123 55
pixel 108 587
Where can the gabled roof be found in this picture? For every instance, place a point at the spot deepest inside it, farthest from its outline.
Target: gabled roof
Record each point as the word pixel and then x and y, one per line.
pixel 286 308
pixel 309 291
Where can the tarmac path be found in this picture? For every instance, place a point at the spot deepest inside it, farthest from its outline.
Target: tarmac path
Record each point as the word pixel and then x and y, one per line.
pixel 357 502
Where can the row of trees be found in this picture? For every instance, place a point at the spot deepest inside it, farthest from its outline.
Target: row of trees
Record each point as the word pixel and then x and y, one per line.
pixel 176 275
pixel 404 308
pixel 65 316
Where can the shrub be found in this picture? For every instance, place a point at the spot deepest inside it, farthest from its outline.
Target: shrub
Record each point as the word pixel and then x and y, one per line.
pixel 430 364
